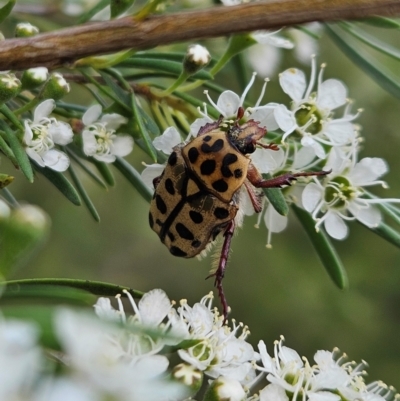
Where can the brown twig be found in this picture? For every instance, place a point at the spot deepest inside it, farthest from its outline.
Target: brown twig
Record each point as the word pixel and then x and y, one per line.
pixel 65 46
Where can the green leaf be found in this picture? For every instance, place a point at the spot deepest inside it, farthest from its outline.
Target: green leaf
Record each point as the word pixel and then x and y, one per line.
pixel 61 183
pixel 324 248
pixel 388 233
pixel 149 123
pixel 98 288
pixel 105 172
pixel 130 173
pixel 374 69
pixel 87 170
pixel 371 41
pixel 171 67
pixel 119 96
pixel 276 198
pixel 382 22
pixel 172 56
pixel 81 190
pixel 93 11
pixel 119 6
pixel 7 151
pixel 142 128
pixel 18 150
pixel 6 10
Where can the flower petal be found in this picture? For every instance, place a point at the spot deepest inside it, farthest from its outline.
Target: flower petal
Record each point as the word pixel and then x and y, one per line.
pixel 293 83
pixel 303 157
pixel 43 110
pixel 335 226
pixel 308 141
pixel 198 124
pixel 56 160
pixel 113 120
pixel 122 145
pixel 331 94
pixel 274 221
pixel 258 53
pixel 311 196
pixel 228 103
pixel 92 114
pixel 367 170
pixel 284 118
pixel 273 392
pixel 35 156
pixel 267 160
pixel 89 143
pixel 150 172
pixel 167 140
pixel 154 307
pixel 370 215
pixel 265 116
pixel 340 133
pixel 61 132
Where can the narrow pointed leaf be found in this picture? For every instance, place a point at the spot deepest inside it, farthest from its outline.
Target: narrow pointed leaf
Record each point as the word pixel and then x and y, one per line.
pixel 9 114
pixel 87 170
pixel 7 151
pixel 138 117
pixel 98 288
pixel 119 96
pixel 276 198
pixel 324 248
pixel 105 172
pixel 132 175
pixel 373 68
pixel 171 67
pixel 171 56
pixel 18 150
pixel 61 183
pixel 372 41
pixel 6 10
pixel 388 233
pixel 382 22
pixel 82 192
pixel 93 11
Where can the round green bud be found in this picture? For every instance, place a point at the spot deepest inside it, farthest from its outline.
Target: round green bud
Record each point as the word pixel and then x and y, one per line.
pixel 34 77
pixel 196 58
pixel 189 376
pixel 54 88
pixel 5 180
pixel 10 86
pixel 25 30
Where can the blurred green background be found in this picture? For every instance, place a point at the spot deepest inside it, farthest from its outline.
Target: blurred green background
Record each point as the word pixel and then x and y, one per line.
pixel 284 290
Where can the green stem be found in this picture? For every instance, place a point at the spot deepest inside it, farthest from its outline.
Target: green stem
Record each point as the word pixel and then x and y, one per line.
pixel 27 106
pixel 179 81
pixel 148 9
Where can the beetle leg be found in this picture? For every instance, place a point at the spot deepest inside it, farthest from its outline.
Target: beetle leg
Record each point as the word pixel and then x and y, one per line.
pixel 254 176
pixel 256 199
pixel 220 272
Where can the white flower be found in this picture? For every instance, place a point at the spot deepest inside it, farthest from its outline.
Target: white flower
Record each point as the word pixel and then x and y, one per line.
pixel 114 360
pixel 21 359
pixel 340 196
pixel 311 112
pixel 99 138
pixel 43 133
pixel 196 57
pixel 221 351
pixel 226 389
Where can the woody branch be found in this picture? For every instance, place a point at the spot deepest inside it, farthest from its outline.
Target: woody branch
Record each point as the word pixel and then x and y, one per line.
pixel 65 46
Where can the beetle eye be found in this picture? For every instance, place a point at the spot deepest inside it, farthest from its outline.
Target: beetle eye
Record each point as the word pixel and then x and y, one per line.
pixel 250 148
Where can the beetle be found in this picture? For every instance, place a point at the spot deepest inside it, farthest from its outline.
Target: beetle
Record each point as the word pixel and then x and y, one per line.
pixel 197 196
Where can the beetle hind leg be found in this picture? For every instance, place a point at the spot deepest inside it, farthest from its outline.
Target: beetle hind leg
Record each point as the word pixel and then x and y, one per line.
pixel 220 272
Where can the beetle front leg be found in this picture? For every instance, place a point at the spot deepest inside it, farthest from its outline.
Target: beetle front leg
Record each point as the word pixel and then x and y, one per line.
pixel 220 272
pixel 254 176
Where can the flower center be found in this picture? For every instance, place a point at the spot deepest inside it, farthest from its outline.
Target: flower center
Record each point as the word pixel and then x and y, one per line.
pixel 104 139
pixel 308 115
pixel 41 140
pixel 339 191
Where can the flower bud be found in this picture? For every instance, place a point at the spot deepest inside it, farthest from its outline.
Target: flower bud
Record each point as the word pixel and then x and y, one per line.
pixel 189 376
pixel 34 77
pixel 197 57
pixel 20 234
pixel 10 86
pixel 54 88
pixel 25 30
pixel 225 389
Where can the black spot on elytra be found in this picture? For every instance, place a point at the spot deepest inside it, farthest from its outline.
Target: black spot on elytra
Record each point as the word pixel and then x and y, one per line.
pixel 172 159
pixel 207 138
pixel 184 232
pixel 193 154
pixel 177 251
pixel 226 161
pixel 151 220
pixel 208 167
pixel 196 243
pixel 221 213
pixel 171 236
pixel 161 206
pixel 220 185
pixel 159 222
pixel 238 173
pixel 196 217
pixel 169 186
pixel 215 147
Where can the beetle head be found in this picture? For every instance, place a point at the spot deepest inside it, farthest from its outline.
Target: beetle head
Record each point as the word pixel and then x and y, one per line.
pixel 245 137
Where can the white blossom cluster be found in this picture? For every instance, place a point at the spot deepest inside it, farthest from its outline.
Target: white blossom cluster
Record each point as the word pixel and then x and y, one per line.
pixel 120 357
pixel 43 133
pixel 315 131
